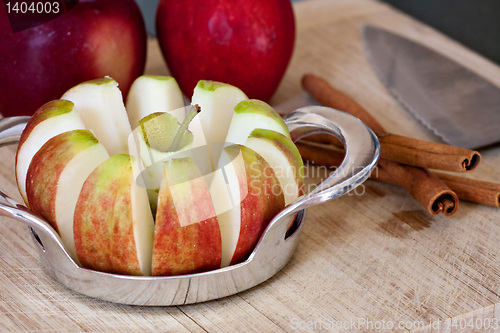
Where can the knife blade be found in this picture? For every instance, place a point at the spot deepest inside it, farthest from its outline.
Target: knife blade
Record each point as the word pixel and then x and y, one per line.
pixel 454 102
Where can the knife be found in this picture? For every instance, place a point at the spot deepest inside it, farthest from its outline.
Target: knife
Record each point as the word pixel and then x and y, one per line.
pixel 457 104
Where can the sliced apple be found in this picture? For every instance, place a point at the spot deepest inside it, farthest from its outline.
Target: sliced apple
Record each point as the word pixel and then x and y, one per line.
pixel 100 105
pixel 56 176
pixel 113 224
pixel 260 199
pixel 51 119
pixel 149 94
pixel 283 157
pixel 187 237
pixel 217 101
pixel 251 114
pixel 211 203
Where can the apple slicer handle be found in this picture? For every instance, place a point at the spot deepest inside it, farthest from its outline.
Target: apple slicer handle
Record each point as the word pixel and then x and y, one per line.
pixel 11 129
pixel 361 145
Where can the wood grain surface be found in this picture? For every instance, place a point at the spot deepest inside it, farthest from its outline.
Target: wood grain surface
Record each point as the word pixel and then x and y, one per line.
pixel 372 260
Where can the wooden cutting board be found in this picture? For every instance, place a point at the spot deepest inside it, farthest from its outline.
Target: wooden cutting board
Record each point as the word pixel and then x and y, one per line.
pixel 373 260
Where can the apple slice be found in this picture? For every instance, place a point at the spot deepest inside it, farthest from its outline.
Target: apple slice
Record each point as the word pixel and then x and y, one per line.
pixel 154 135
pixel 226 195
pixel 113 223
pixel 150 94
pixel 251 114
pixel 187 237
pixel 217 101
pixel 284 158
pixel 56 176
pixel 51 119
pixel 260 199
pixel 152 141
pixel 100 105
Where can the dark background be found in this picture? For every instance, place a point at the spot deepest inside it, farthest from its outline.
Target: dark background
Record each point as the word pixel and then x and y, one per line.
pixel 473 23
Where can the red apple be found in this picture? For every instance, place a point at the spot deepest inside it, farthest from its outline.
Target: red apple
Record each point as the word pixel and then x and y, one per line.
pixel 93 39
pixel 244 43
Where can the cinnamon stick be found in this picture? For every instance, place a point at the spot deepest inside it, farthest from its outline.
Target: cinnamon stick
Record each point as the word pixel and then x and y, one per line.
pixel 477 191
pixel 429 190
pixel 394 147
pixel 419 153
pixel 473 190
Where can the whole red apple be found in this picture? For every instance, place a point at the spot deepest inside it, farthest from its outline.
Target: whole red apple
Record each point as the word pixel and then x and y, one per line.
pixel 245 43
pixel 93 39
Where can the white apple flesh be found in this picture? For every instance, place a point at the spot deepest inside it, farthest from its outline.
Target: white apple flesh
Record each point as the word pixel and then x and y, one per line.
pixel 149 94
pixel 217 101
pixel 227 191
pixel 51 119
pixel 100 105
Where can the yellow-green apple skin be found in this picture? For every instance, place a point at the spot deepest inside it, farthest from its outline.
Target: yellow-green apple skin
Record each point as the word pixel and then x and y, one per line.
pixel 251 114
pixel 187 236
pixel 113 224
pixel 284 158
pixel 56 175
pixel 51 119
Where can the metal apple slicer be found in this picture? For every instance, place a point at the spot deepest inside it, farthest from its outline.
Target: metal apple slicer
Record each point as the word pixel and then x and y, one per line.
pixel 273 251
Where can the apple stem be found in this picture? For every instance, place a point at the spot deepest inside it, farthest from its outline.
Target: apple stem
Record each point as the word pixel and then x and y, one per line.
pixel 193 111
